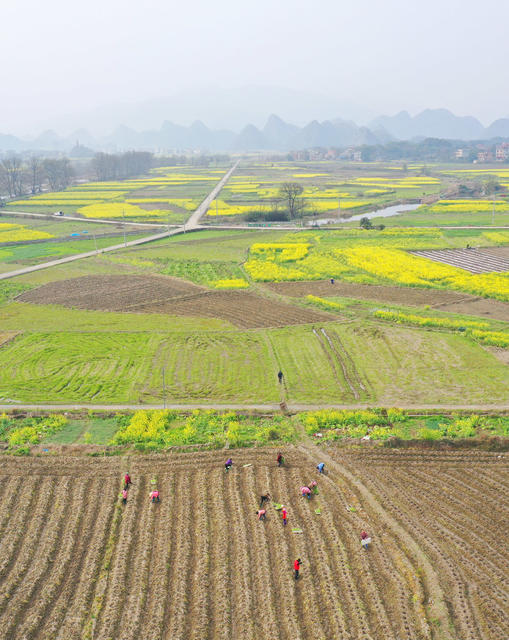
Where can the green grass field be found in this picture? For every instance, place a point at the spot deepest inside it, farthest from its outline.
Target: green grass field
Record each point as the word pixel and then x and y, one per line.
pixel 63 355
pixel 343 364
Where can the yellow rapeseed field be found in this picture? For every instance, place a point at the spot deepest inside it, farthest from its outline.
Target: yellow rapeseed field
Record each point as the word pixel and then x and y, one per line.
pixel 18 233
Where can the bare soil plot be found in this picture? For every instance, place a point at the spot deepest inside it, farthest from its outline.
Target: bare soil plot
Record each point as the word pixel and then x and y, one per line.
pixel 75 563
pixel 473 260
pixel 382 293
pixel 109 292
pixel 162 294
pixel 245 310
pixel 454 505
pixel 444 300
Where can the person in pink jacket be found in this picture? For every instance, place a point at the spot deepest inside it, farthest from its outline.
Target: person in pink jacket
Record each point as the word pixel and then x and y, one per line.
pixel 306 492
pixel 154 495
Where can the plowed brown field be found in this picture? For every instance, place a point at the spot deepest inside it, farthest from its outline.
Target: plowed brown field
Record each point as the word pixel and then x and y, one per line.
pixel 76 564
pixel 453 301
pixel 162 294
pixel 110 293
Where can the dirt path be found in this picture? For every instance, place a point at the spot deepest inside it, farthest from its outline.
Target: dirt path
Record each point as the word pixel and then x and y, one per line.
pixel 436 600
pixel 292 407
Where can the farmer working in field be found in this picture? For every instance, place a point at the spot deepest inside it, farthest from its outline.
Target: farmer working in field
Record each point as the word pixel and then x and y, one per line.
pixel 365 540
pixel 280 459
pixel 306 492
pixel 127 480
pixel 280 376
pixel 154 495
pixel 261 514
pixel 228 464
pixel 284 513
pixel 264 498
pixel 314 486
pixel 124 496
pixel 296 567
pixel 321 467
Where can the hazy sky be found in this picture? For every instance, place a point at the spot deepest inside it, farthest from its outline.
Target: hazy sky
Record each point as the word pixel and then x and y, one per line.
pixel 62 57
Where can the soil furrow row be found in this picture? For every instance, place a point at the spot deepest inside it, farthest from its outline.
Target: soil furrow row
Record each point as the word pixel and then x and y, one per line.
pixel 26 608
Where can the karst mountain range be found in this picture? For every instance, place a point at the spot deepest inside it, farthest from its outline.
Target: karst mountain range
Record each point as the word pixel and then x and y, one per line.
pixel 276 135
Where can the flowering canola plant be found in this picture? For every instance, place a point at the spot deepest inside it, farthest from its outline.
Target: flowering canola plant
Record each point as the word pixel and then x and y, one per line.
pixel 232 283
pixel 116 210
pixel 403 268
pixel 469 206
pixel 428 321
pixel 17 233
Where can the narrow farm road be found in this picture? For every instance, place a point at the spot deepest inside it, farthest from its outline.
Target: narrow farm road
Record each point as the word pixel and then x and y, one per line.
pixel 53 218
pixel 292 407
pixel 190 225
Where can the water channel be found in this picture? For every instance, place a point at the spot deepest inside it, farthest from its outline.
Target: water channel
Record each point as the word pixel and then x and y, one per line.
pixel 379 213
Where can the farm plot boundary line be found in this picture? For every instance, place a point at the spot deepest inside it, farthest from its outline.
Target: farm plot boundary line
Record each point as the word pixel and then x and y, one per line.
pixel 190 225
pixel 292 407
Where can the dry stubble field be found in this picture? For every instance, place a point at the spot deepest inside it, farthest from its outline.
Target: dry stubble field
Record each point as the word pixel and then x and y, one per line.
pixel 74 563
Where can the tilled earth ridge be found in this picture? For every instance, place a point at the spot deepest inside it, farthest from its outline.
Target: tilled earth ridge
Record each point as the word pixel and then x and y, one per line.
pixel 75 563
pixel 165 295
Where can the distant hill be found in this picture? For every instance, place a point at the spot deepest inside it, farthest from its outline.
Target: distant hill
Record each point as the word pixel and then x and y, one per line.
pixel 276 135
pixel 430 123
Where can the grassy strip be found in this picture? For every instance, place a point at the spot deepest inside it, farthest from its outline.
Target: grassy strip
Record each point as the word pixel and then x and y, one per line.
pixel 380 425
pixel 427 321
pixel 471 328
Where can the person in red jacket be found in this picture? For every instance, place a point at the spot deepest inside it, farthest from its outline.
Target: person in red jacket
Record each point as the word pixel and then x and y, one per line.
pixel 365 540
pixel 296 567
pixel 127 481
pixel 284 513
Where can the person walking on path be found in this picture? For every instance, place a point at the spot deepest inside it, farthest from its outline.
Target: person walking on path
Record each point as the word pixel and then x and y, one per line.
pixel 284 513
pixel 296 567
pixel 264 498
pixel 127 480
pixel 124 496
pixel 228 464
pixel 321 466
pixel 280 459
pixel 280 376
pixel 154 495
pixel 306 492
pixel 261 513
pixel 365 540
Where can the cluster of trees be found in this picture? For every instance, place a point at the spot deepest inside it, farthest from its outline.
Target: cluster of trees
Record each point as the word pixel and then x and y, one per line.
pixel 195 161
pixel 427 150
pixel 116 166
pixel 288 205
pixel 18 176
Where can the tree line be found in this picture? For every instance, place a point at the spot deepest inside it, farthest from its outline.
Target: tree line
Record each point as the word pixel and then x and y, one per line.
pixel 118 166
pixel 19 176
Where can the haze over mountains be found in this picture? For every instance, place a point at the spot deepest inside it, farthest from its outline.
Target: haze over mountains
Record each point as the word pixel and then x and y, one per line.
pixel 275 135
